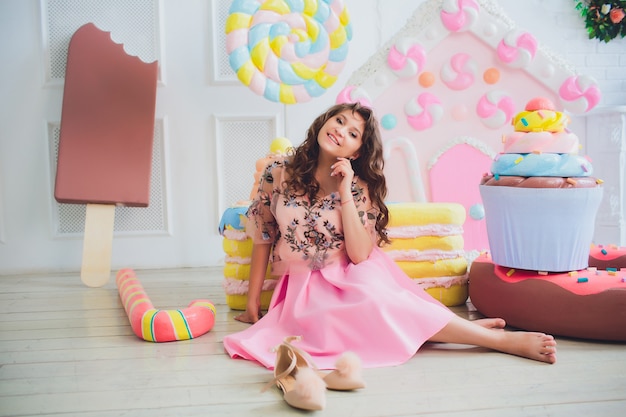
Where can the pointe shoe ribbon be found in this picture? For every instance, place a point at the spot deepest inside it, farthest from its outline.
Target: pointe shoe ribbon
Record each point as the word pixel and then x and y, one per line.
pixel 347 373
pixel 302 387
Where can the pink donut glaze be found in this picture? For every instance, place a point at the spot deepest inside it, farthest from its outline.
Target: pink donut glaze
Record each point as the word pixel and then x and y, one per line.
pixel 459 15
pixel 423 111
pixel 548 142
pixel 580 93
pixel 459 72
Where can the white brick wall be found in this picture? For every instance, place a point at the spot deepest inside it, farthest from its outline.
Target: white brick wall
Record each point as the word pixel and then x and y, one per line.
pixel 558 26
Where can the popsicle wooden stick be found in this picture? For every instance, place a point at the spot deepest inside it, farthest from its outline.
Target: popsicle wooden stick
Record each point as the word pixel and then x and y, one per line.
pixel 98 242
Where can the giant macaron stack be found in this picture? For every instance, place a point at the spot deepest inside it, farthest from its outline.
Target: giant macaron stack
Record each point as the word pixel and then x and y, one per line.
pixel 427 244
pixel 238 248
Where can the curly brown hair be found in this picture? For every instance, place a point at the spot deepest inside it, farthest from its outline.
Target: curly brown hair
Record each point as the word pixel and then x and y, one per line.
pixel 368 166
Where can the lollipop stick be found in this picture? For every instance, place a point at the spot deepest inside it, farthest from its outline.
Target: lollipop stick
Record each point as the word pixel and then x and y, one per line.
pixel 97 244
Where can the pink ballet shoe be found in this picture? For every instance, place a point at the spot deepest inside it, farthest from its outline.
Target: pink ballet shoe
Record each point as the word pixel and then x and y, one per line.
pixel 347 375
pixel 302 386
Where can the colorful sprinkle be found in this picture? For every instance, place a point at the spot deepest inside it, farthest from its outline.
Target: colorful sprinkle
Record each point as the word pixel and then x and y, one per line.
pixel 524 122
pixel 582 279
pixel 540 114
pixel 518 160
pixel 510 272
pixel 571 181
pixel 573 273
pixel 584 167
pixel 604 252
pixel 542 272
pixel 503 138
pixel 537 152
pixel 599 181
pixel 497 177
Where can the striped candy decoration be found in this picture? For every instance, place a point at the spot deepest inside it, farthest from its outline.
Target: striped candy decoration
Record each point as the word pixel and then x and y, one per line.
pixel 155 325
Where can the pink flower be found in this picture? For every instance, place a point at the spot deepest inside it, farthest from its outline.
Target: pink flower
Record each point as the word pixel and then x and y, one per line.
pixel 617 15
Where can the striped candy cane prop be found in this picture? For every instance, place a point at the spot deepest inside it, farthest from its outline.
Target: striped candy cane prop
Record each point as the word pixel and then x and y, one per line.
pixel 154 325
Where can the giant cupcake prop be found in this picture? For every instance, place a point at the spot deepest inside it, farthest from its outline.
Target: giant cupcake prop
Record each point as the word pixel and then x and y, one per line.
pixel 540 201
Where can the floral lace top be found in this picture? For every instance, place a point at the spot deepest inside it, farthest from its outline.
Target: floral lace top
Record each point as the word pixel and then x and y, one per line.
pixel 303 233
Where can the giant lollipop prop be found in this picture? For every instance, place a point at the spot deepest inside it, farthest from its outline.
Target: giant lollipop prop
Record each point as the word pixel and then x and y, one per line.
pixel 288 51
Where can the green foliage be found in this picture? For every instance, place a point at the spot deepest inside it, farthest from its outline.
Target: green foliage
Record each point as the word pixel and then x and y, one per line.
pixel 604 20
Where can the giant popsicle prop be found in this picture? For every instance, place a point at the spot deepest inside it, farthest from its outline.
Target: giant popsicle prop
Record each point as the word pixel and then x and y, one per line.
pixel 105 144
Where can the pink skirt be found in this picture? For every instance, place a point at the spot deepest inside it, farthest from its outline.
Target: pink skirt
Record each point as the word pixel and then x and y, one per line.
pixel 372 309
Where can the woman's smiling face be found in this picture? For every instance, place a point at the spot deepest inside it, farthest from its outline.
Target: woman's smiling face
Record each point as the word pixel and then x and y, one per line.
pixel 341 135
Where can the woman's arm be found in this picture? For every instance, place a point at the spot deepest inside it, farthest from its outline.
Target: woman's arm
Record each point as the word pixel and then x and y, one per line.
pixel 357 238
pixel 258 267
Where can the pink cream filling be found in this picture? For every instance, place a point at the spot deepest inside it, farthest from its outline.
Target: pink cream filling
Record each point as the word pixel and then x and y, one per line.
pixel 237 260
pixel 408 232
pixel 424 255
pixel 234 286
pixel 235 234
pixel 445 282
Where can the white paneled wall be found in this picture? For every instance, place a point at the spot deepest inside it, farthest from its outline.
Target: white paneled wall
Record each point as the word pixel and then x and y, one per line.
pixel 606 142
pixel 209 128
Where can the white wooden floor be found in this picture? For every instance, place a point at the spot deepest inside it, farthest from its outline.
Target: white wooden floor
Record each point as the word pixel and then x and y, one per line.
pixel 68 350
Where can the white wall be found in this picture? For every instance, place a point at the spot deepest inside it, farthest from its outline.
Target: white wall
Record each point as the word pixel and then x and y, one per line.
pixel 188 102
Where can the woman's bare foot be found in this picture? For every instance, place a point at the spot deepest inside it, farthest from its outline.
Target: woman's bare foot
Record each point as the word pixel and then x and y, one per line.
pixel 531 345
pixel 494 324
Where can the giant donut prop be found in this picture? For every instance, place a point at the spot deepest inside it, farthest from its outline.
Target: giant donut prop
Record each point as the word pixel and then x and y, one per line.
pixel 587 304
pixel 288 51
pixel 154 325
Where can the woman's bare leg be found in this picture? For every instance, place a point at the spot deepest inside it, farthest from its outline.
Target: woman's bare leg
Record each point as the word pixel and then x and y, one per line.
pixel 537 346
pixel 495 324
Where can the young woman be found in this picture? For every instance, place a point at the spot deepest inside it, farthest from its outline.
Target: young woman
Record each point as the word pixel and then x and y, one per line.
pixel 320 215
